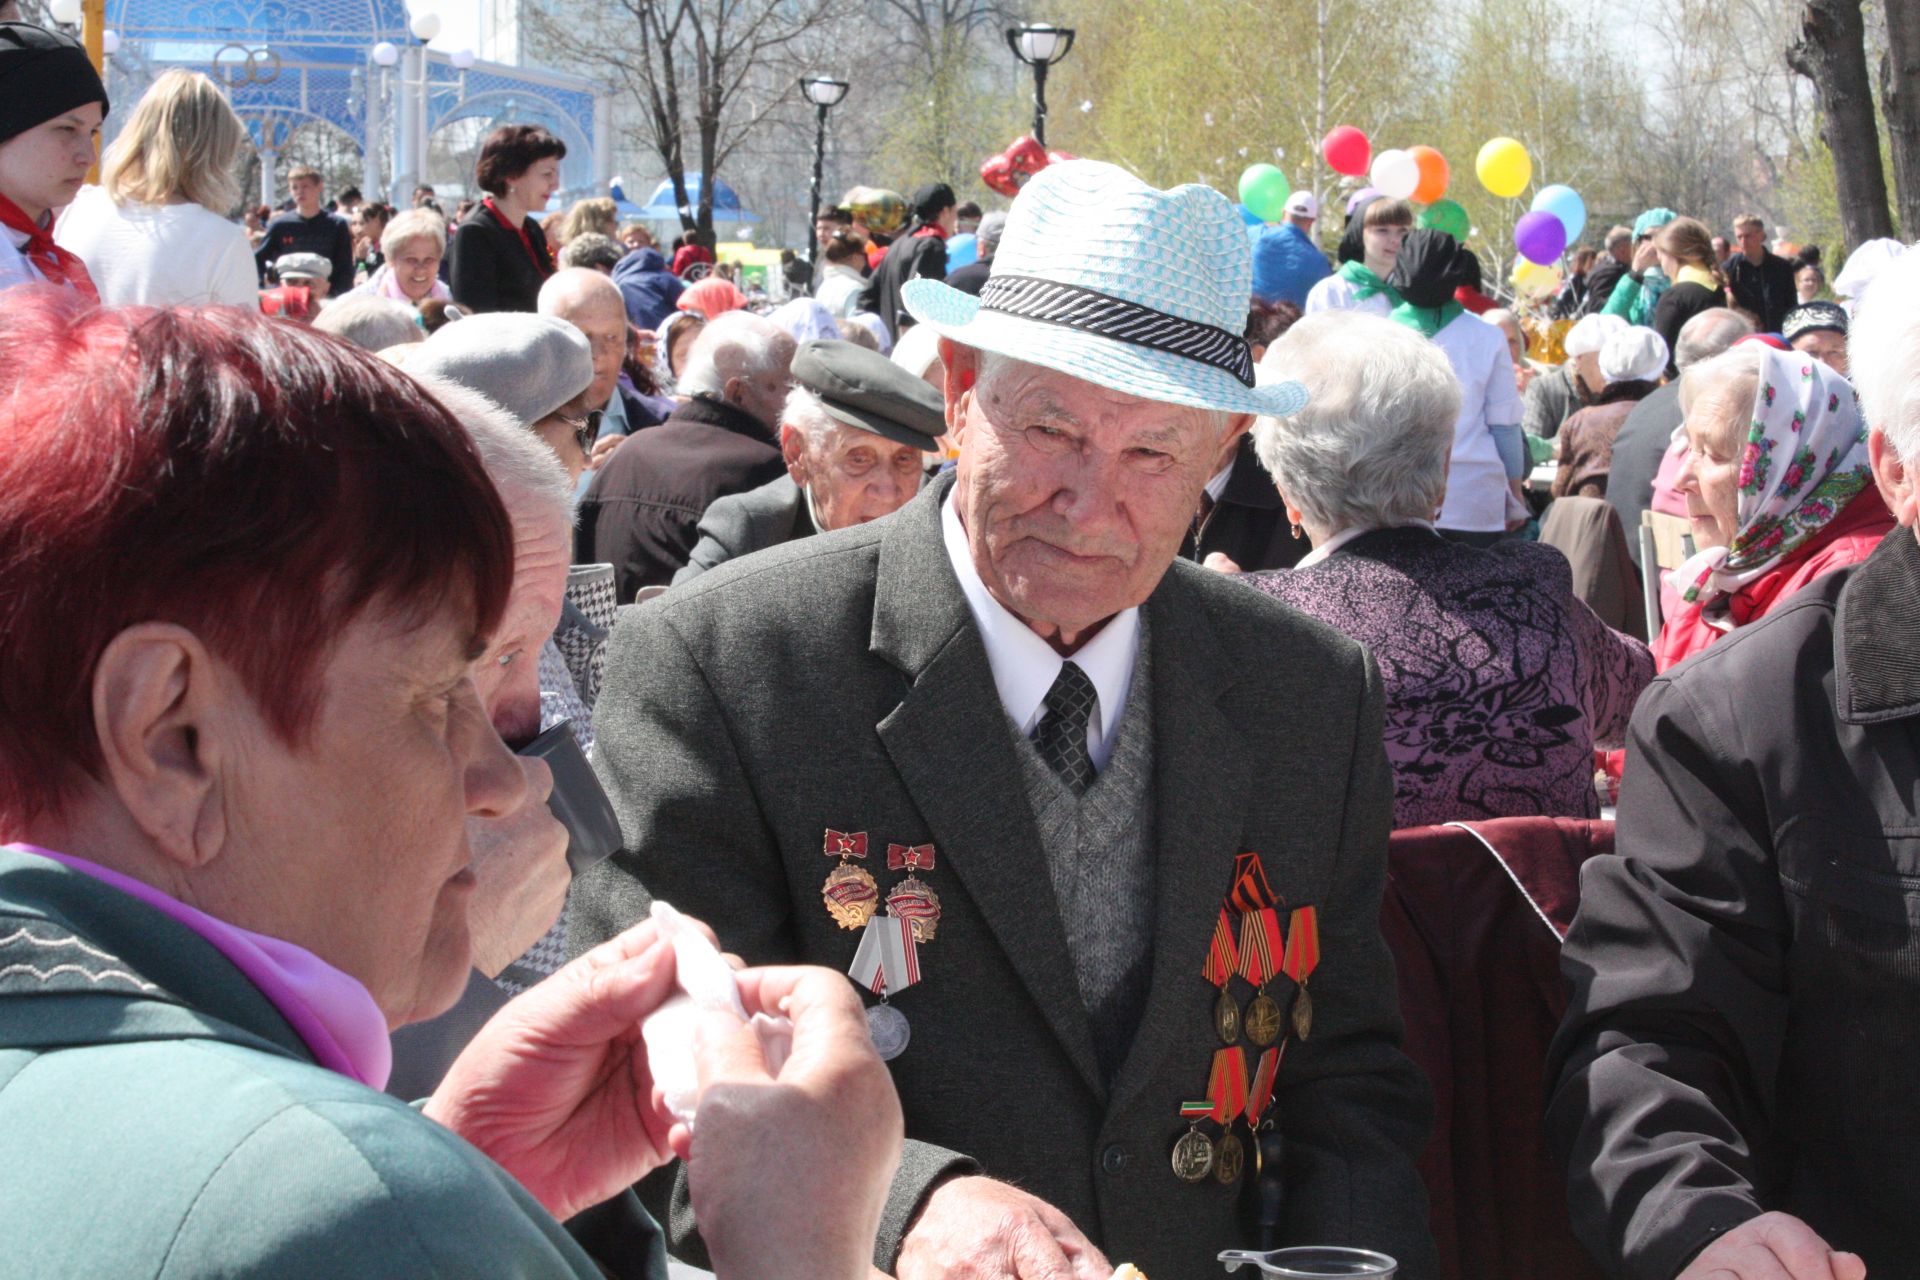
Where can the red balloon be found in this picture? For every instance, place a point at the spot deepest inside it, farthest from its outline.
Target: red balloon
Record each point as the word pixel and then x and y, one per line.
pixel 1025 158
pixel 1055 157
pixel 1433 174
pixel 1346 150
pixel 998 175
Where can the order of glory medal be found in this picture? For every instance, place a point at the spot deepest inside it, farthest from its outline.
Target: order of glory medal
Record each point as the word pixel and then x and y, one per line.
pixel 1261 948
pixel 886 963
pixel 1302 957
pixel 1222 961
pixel 849 892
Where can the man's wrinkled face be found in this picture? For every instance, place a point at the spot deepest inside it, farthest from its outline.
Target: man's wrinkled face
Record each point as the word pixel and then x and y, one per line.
pixel 1075 497
pixel 603 320
pixel 852 476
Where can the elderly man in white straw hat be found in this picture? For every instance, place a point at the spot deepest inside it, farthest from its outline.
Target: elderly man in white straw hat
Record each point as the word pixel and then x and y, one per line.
pixel 1102 835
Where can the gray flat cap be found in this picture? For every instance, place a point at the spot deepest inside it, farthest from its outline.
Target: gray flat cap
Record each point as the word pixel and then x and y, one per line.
pixel 302 266
pixel 864 389
pixel 527 364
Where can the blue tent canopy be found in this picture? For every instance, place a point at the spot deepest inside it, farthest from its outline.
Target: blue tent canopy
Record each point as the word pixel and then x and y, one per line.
pixel 726 203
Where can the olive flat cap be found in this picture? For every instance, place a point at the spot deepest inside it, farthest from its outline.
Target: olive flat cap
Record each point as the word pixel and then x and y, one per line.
pixel 864 389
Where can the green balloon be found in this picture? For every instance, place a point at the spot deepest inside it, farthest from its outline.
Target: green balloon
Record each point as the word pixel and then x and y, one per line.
pixel 1447 216
pixel 1264 190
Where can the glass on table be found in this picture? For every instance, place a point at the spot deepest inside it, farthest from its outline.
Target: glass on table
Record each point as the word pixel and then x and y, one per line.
pixel 1315 1262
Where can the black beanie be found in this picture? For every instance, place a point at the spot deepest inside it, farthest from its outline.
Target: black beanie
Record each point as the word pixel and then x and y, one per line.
pixel 930 201
pixel 42 75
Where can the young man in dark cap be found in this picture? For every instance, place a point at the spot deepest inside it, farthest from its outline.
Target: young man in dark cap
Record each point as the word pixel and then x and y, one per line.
pixel 51 106
pixel 920 251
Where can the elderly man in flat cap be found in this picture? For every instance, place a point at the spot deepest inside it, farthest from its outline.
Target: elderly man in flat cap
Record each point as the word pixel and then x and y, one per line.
pixel 855 434
pixel 1101 835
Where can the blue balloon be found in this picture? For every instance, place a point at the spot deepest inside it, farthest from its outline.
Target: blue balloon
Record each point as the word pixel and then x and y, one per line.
pixel 962 251
pixel 1565 204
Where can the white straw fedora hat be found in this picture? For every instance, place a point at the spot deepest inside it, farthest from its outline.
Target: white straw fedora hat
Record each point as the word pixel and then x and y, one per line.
pixel 1102 277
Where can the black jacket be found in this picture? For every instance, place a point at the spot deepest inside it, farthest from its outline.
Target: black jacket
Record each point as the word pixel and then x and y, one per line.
pixel 1607 273
pixel 1637 453
pixel 489 268
pixel 1746 983
pixel 642 512
pixel 1765 288
pixel 1249 522
pixel 326 234
pixel 972 278
pixel 909 258
pixel 1677 306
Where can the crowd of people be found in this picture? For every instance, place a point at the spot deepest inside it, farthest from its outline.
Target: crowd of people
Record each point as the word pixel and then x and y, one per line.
pixel 430 641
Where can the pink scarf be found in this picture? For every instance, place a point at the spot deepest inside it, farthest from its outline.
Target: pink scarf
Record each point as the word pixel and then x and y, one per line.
pixel 387 285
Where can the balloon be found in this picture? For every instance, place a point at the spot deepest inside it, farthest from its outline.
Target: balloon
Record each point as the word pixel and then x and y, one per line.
pixel 1504 167
pixel 1248 216
pixel 1364 193
pixel 1447 216
pixel 1264 190
pixel 997 173
pixel 962 251
pixel 1565 204
pixel 1433 174
pixel 1534 280
pixel 1396 173
pixel 1007 172
pixel 1346 150
pixel 1540 237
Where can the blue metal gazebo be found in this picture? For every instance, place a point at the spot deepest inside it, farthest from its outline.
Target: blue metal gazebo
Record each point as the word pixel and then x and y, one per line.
pixel 355 65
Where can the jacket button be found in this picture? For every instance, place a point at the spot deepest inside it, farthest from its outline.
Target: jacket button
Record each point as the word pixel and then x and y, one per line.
pixel 1115 1158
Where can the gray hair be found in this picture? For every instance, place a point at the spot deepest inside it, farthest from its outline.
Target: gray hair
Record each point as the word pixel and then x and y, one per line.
pixel 1883 352
pixel 371 323
pixel 592 250
pixel 737 344
pixel 1370 449
pixel 518 462
pixel 1708 334
pixel 1735 372
pixel 987 235
pixel 1617 236
pixel 414 224
pixel 805 413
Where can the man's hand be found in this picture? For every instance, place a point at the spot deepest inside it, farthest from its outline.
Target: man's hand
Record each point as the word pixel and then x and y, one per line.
pixel 979 1229
pixel 602 450
pixel 520 862
pixel 831 1116
pixel 1773 1246
pixel 1220 562
pixel 555 1088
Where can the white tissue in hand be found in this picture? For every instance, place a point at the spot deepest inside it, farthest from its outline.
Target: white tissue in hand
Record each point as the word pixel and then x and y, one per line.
pixel 705 981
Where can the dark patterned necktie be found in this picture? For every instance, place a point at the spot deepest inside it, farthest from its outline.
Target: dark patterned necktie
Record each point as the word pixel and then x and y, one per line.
pixel 1061 736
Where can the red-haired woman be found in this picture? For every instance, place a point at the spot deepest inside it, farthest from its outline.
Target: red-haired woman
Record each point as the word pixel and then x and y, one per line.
pixel 500 256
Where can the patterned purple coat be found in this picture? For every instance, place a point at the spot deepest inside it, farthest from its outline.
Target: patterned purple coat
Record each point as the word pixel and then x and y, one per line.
pixel 1500 681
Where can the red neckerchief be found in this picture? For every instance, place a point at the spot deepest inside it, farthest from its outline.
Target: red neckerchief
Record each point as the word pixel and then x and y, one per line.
pixel 53 262
pixel 930 229
pixel 520 231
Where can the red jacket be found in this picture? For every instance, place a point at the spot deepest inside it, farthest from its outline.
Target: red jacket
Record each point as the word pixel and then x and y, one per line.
pixel 1851 538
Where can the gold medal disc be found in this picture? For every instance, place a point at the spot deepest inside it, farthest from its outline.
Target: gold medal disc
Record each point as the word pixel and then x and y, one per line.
pixel 1226 1018
pixel 1229 1157
pixel 850 895
pixel 1302 1013
pixel 1192 1157
pixel 1262 1020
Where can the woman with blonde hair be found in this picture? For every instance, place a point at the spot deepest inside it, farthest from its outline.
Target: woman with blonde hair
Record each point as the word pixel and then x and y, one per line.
pixel 155 231
pixel 598 215
pixel 1685 249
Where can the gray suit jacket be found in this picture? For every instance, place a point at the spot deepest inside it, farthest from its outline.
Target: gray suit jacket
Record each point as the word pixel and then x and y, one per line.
pixel 840 682
pixel 742 523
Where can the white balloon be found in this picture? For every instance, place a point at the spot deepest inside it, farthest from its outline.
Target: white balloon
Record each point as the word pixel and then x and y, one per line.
pixel 109 42
pixel 1396 173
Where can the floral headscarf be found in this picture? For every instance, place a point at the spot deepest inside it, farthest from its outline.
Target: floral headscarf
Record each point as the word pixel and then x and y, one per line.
pixel 1805 459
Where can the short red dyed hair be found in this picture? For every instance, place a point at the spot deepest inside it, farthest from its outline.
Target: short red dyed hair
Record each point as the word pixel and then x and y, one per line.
pixel 246 478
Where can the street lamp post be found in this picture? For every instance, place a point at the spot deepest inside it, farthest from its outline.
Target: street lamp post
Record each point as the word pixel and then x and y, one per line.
pixel 824 93
pixel 1039 46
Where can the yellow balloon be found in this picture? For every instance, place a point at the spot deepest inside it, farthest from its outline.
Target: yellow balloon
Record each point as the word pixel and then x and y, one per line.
pixel 1504 167
pixel 1534 280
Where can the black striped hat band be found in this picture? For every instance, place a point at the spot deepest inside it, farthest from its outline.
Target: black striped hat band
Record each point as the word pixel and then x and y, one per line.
pixel 1072 307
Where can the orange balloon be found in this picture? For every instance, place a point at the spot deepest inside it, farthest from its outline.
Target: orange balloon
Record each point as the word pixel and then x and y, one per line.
pixel 1433 174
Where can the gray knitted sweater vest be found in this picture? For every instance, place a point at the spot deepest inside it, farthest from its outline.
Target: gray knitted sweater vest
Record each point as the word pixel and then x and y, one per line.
pixel 1099 852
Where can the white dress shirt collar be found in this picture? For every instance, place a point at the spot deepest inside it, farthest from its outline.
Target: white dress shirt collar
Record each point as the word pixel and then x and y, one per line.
pixel 1025 666
pixel 1218 485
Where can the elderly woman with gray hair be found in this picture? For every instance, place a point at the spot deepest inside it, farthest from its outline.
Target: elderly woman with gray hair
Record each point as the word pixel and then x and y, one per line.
pixel 412 245
pixel 1500 681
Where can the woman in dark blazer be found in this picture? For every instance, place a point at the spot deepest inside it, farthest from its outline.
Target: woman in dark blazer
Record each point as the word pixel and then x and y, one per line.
pixel 1500 682
pixel 500 257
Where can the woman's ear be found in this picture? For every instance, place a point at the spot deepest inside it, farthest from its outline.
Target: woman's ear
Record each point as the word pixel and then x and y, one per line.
pixel 156 698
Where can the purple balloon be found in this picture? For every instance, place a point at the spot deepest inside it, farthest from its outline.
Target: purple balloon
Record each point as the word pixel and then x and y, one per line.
pixel 1364 193
pixel 1540 237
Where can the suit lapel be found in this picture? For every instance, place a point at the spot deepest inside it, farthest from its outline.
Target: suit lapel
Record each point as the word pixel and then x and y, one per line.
pixel 950 742
pixel 1200 769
